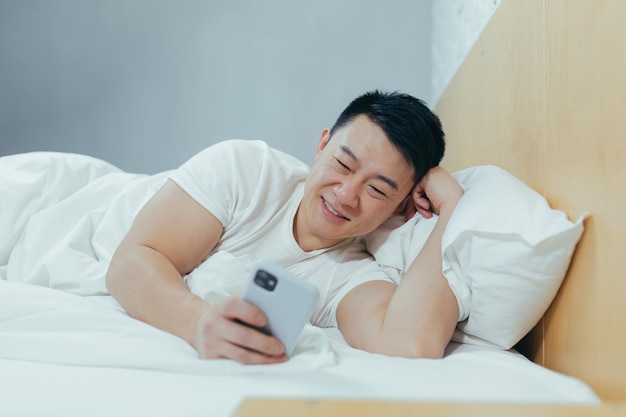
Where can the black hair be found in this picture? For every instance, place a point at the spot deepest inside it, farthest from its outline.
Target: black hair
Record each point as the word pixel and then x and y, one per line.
pixel 408 123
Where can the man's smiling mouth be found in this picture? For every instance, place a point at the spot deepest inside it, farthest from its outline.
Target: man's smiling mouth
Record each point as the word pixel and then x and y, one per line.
pixel 330 209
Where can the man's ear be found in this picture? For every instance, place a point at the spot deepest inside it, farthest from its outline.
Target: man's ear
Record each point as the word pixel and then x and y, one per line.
pixel 324 138
pixel 406 208
pixel 402 207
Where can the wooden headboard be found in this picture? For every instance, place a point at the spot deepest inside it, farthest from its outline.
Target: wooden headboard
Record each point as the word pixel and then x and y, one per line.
pixel 542 94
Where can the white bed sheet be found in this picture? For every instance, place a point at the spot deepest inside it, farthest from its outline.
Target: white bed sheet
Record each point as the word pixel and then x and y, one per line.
pixel 67 355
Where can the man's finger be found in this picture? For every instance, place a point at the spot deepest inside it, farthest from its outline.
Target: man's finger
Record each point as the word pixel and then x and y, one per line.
pixel 236 308
pixel 247 337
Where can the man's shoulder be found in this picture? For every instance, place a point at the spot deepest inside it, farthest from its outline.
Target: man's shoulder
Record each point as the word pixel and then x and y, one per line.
pixel 251 150
pixel 238 145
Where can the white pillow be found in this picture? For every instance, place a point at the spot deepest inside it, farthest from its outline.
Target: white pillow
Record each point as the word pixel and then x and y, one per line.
pixel 505 254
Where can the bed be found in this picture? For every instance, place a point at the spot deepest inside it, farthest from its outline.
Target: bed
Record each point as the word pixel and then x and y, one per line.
pixel 67 353
pixel 64 214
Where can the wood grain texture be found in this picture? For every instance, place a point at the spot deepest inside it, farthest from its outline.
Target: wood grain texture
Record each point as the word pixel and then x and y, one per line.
pixel 541 94
pixel 586 126
pixel 257 407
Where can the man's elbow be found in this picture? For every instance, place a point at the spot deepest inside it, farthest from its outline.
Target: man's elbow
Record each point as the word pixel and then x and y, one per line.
pixel 419 351
pixel 409 350
pixel 114 278
pixel 112 281
pixel 426 352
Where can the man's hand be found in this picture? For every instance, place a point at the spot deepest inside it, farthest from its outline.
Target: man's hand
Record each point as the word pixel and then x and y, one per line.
pixel 436 189
pixel 227 330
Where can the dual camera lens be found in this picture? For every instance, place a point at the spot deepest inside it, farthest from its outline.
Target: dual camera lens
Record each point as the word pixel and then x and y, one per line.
pixel 265 280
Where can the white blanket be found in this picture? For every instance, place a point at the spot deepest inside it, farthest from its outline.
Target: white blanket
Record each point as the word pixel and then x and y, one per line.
pixel 63 215
pixel 45 325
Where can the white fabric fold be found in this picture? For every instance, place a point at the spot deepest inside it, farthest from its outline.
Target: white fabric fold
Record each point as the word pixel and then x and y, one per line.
pixel 41 324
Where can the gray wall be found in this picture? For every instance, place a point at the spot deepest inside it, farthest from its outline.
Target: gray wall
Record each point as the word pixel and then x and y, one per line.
pixel 145 84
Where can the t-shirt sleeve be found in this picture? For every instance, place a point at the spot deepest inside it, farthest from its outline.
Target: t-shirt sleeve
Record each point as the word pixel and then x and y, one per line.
pixel 222 176
pixel 348 270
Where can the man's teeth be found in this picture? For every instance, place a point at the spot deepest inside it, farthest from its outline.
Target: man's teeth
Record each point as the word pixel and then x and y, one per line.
pixel 331 210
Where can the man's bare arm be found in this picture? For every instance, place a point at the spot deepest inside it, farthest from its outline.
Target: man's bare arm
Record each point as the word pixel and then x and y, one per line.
pixel 417 317
pixel 170 236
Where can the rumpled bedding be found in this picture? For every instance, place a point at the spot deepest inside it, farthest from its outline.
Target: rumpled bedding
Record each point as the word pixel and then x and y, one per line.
pixel 67 348
pixel 41 324
pixel 62 217
pixel 65 355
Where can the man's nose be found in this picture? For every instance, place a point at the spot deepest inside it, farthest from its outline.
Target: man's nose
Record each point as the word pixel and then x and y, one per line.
pixel 347 192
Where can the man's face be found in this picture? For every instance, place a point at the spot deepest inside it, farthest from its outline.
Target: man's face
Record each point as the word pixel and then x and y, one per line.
pixel 357 181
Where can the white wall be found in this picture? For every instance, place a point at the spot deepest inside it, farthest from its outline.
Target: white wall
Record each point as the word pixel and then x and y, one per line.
pixel 456 26
pixel 145 84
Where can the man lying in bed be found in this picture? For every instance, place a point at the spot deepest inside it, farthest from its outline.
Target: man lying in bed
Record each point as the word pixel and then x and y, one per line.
pixel 380 158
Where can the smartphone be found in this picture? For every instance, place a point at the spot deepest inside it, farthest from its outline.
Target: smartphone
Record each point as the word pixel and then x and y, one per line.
pixel 286 299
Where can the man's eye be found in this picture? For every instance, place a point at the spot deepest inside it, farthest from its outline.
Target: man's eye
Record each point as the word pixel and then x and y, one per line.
pixel 377 191
pixel 342 165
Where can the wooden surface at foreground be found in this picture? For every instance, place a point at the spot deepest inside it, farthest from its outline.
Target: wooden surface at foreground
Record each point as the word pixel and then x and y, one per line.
pixel 258 407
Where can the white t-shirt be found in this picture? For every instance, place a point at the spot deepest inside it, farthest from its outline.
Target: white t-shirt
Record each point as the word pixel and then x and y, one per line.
pixel 254 191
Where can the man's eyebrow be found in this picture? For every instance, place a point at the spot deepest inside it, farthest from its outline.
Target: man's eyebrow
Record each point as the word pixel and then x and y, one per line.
pixel 349 152
pixel 388 180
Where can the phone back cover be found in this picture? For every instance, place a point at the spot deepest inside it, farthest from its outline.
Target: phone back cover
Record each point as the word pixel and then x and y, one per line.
pixel 288 307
